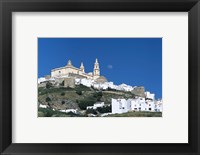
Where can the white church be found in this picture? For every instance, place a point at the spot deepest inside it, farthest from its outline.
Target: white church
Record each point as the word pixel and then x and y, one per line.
pixel 69 71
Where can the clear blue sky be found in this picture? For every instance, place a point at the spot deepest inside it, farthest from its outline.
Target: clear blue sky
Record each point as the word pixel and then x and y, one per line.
pixel 133 61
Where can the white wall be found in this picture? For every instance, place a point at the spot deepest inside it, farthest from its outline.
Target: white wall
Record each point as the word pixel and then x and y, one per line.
pixel 120 106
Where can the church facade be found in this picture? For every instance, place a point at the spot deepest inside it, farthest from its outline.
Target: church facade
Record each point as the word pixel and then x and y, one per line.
pixel 70 71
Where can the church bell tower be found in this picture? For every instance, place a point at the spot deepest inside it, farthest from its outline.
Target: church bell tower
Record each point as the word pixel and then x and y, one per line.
pixel 96 71
pixel 82 68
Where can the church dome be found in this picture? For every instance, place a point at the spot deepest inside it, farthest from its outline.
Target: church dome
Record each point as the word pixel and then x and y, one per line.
pixel 101 79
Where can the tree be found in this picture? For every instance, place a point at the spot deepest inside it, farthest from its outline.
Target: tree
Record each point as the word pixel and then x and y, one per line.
pixel 105 109
pixel 62 94
pixel 79 92
pixel 86 102
pixel 98 95
pixel 48 99
pixel 48 85
pixel 91 111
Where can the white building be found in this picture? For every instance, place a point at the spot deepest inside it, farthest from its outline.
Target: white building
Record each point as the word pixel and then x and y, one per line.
pixel 120 106
pixel 86 82
pixel 40 80
pixel 125 87
pixel 137 104
pixel 150 105
pixel 96 105
pixel 43 106
pixel 158 106
pixel 69 110
pixel 70 70
pixel 149 95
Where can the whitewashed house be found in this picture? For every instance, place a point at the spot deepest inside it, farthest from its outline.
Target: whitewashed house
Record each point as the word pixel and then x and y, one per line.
pixel 43 106
pixel 150 105
pixel 149 95
pixel 124 87
pixel 69 110
pixel 138 104
pixel 87 82
pixel 158 106
pixel 43 79
pixel 96 105
pixel 40 80
pixel 77 81
pixel 120 106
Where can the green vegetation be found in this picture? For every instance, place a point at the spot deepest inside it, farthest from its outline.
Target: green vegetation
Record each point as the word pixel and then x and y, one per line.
pixel 89 101
pixel 47 112
pixel 91 111
pixel 82 88
pixel 137 114
pixel 59 97
pixel 106 109
pixel 79 92
pixel 62 94
pixel 43 91
pixel 48 85
pixel 110 89
pixel 48 99
pixel 51 89
pixel 98 95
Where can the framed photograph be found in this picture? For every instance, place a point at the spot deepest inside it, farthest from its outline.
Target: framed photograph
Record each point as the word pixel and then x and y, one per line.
pixel 99 77
pixel 70 91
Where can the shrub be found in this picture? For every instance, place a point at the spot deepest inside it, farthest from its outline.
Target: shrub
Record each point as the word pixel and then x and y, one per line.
pixel 98 95
pixel 91 111
pixel 110 89
pixel 62 94
pixel 106 109
pixel 48 85
pixel 82 88
pixel 86 102
pixel 79 92
pixel 46 112
pixel 48 99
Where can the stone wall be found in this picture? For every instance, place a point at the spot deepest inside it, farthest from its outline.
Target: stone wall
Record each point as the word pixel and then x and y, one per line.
pixel 69 82
pixel 139 91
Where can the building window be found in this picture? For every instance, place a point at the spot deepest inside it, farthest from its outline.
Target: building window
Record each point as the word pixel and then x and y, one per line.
pixel 59 72
pixel 149 109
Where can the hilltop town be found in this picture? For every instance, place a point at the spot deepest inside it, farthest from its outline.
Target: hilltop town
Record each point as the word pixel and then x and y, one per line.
pixel 70 92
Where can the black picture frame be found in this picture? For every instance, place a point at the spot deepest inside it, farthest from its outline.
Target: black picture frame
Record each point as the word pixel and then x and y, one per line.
pixel 9 6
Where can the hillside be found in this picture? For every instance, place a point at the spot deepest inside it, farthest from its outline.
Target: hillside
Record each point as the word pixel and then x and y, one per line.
pixel 61 98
